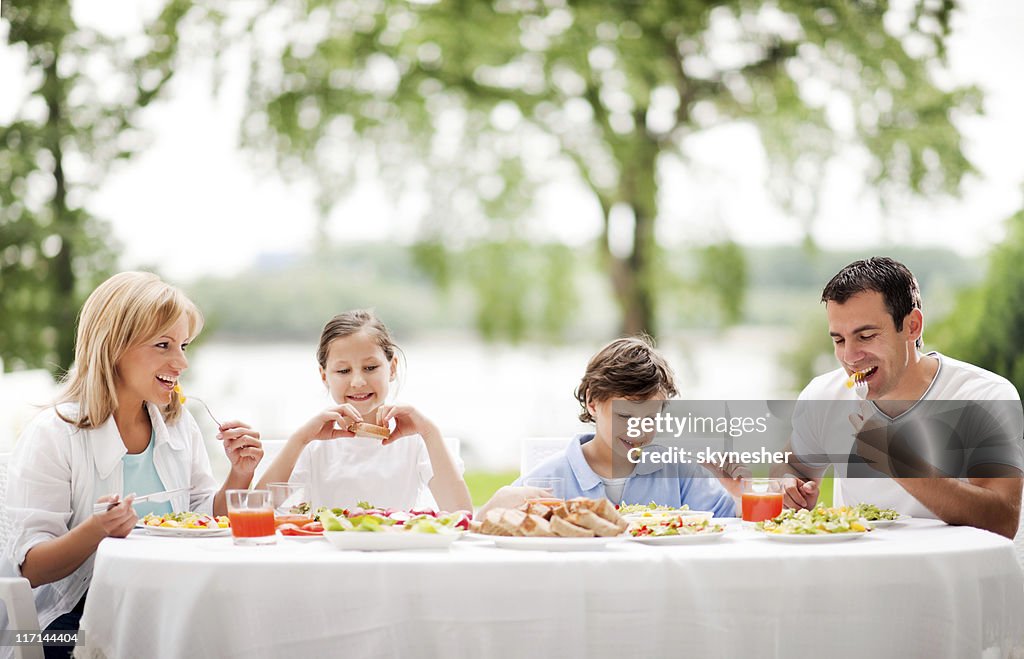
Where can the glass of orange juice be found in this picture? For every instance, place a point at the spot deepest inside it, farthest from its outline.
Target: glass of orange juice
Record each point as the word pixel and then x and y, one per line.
pixel 252 517
pixel 554 487
pixel 762 499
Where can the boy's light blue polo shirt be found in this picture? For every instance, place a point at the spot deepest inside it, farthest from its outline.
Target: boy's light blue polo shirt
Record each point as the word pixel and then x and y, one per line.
pixel 666 485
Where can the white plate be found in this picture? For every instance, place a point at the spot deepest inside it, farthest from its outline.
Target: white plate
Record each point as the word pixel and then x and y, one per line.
pixel 548 544
pixel 170 532
pixel 695 538
pixel 655 515
pixel 819 538
pixel 389 540
pixel 882 523
pixel 300 538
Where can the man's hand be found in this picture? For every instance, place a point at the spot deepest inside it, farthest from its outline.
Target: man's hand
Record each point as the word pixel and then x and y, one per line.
pixel 797 493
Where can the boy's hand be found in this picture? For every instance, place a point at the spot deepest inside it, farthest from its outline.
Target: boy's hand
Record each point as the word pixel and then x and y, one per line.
pixel 511 496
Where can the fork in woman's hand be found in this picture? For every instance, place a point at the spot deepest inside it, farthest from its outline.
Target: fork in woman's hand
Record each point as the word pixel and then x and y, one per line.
pixel 182 399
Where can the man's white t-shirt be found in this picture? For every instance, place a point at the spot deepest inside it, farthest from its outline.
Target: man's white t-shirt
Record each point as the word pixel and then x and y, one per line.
pixel 341 472
pixel 955 380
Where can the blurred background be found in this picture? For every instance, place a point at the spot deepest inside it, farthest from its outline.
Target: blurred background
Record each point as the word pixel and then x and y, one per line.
pixel 510 184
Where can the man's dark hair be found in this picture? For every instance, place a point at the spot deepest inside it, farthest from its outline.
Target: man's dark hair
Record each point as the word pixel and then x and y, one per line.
pixel 881 274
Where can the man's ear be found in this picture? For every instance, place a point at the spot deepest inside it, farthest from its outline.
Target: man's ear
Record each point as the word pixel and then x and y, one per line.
pixel 914 324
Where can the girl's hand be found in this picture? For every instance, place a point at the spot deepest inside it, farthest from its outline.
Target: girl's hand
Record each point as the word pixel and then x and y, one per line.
pixel 119 520
pixel 408 421
pixel 242 446
pixel 332 423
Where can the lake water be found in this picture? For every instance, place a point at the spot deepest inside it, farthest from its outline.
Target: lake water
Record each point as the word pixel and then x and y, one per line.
pixel 489 396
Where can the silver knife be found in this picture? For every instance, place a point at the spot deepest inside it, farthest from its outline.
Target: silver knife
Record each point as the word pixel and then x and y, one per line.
pixel 155 496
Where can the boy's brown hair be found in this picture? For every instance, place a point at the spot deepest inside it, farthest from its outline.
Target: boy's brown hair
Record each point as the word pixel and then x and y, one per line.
pixel 627 368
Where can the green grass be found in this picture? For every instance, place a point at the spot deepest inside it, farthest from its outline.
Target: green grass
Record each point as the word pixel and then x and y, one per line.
pixel 483 485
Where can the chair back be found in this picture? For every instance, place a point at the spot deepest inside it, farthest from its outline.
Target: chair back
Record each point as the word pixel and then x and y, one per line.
pixel 536 450
pixel 5 519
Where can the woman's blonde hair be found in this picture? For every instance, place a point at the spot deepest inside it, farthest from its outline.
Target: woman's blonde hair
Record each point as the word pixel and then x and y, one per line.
pixel 124 311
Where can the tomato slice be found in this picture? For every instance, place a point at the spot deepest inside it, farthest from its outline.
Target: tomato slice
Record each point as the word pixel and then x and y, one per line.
pixel 291 529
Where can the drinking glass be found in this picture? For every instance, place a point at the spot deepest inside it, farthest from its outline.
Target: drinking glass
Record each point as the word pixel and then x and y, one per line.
pixel 252 517
pixel 555 486
pixel 762 499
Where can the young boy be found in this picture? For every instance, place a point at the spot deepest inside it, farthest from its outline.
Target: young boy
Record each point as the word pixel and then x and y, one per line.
pixel 627 378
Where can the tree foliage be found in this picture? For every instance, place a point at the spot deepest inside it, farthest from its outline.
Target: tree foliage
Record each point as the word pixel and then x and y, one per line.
pixel 493 98
pixel 79 116
pixel 986 326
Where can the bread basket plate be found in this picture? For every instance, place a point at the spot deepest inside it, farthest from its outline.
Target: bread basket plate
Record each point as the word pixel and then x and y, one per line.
pixel 684 539
pixel 524 543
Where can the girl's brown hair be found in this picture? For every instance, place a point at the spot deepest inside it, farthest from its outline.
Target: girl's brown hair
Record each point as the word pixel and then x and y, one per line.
pixel 627 368
pixel 347 324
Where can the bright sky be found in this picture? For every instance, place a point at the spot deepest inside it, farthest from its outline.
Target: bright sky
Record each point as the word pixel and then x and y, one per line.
pixel 193 203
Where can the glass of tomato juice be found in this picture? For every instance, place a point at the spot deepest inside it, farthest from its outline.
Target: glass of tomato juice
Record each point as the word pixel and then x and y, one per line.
pixel 252 517
pixel 762 499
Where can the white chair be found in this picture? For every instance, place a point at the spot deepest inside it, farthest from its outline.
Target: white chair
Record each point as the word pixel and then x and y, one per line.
pixel 536 450
pixel 15 592
pixel 271 447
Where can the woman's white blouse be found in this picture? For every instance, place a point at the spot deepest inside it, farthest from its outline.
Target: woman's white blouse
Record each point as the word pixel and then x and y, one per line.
pixel 58 471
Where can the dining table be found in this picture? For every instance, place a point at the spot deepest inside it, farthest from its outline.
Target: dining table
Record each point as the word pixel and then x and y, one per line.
pixel 917 588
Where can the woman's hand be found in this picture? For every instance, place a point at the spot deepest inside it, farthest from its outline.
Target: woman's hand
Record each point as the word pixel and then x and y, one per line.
pixel 119 519
pixel 408 421
pixel 332 423
pixel 242 446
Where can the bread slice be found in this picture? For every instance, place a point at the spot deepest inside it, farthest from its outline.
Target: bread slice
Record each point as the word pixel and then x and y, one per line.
pixel 535 526
pixel 492 523
pixel 559 511
pixel 538 509
pixel 566 529
pixel 512 521
pixel 600 526
pixel 369 430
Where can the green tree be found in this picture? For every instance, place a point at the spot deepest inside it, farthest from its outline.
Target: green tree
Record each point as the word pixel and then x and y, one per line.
pixel 77 118
pixel 492 98
pixel 986 325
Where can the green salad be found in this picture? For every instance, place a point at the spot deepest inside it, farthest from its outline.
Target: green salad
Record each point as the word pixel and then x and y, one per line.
pixel 371 523
pixel 674 526
pixel 629 508
pixel 818 521
pixel 873 513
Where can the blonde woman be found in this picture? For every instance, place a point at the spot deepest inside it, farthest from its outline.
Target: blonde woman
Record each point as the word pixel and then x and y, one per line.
pixel 117 428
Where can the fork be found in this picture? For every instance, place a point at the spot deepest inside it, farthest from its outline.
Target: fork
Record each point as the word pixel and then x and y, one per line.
pixel 860 386
pixel 219 424
pixel 182 398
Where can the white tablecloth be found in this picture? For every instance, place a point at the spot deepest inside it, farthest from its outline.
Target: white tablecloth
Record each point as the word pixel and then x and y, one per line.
pixel 920 589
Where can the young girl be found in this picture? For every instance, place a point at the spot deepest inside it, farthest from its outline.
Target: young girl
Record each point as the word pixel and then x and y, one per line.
pixel 118 427
pixel 409 469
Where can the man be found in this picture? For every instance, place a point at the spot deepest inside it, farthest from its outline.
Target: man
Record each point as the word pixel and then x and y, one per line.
pixel 875 321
